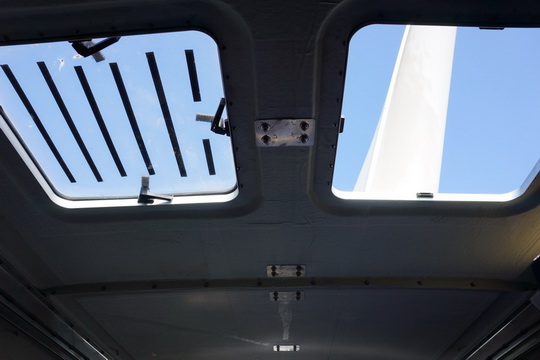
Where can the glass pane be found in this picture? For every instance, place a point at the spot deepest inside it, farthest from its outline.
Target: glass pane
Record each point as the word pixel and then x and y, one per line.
pixel 490 139
pixel 132 56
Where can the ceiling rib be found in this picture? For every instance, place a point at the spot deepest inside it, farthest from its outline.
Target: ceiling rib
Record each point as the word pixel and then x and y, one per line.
pixel 471 284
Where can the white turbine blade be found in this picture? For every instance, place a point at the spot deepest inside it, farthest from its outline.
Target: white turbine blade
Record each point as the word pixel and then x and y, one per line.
pixel 406 152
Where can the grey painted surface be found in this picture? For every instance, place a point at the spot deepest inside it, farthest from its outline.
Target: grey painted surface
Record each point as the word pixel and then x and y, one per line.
pixel 282 60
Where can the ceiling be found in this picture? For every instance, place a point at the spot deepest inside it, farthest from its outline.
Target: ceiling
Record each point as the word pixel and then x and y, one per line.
pixel 383 279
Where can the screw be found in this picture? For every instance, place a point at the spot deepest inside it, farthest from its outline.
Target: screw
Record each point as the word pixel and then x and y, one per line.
pixel 266 139
pixel 265 127
pixel 419 282
pixel 304 139
pixel 366 282
pixel 304 126
pixel 206 284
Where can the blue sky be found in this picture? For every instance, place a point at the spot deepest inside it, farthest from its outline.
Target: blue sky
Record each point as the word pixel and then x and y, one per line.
pixel 493 116
pixel 492 124
pixel 129 53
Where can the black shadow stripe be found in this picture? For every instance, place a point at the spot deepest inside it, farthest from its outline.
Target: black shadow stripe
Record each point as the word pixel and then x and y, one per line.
pixel 131 116
pixel 166 113
pixel 209 157
pixel 69 120
pixel 99 119
pixel 193 78
pixel 37 121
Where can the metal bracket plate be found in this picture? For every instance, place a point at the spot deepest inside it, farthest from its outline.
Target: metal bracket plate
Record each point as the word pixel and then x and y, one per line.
pixel 286 270
pixel 285 132
pixel 286 296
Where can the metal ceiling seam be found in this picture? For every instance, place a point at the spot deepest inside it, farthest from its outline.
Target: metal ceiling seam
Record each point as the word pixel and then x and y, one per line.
pixel 466 284
pixel 29 306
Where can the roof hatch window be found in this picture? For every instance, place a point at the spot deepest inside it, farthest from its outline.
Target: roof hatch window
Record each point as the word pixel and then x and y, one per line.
pixel 440 113
pixel 96 119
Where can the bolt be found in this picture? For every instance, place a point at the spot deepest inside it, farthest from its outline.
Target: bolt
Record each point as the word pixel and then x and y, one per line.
pixel 154 286
pixel 304 126
pixel 265 127
pixel 419 282
pixel 473 284
pixel 259 283
pixel 304 139
pixel 206 284
pixel 366 282
pixel 266 139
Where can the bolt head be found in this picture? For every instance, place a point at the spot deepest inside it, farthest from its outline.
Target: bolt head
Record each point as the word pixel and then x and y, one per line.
pixel 266 139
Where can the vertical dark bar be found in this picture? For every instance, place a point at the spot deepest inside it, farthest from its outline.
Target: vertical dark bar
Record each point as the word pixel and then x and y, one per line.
pixel 214 127
pixel 131 116
pixel 193 79
pixel 209 157
pixel 67 117
pixel 99 119
pixel 166 113
pixel 37 121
